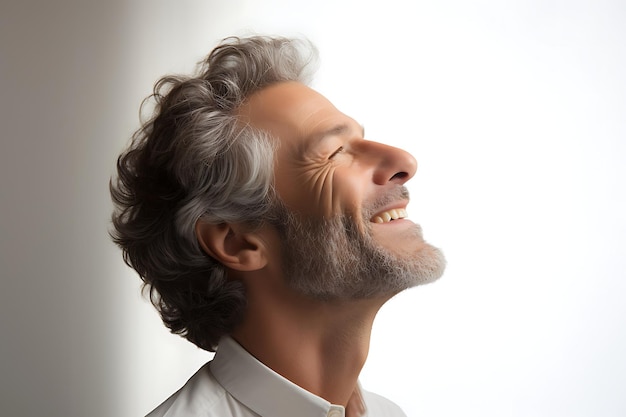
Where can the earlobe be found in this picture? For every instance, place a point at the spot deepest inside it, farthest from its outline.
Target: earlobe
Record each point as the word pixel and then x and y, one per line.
pixel 232 245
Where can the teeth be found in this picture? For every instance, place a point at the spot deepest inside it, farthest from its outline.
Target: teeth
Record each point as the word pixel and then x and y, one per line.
pixel 389 215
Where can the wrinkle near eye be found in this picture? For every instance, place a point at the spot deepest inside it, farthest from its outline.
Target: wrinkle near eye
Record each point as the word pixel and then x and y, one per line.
pixel 318 180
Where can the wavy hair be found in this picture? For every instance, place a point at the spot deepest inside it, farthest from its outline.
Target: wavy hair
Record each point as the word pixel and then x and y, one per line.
pixel 194 159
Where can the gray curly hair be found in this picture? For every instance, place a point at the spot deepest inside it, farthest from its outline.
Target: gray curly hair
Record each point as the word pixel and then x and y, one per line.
pixel 193 159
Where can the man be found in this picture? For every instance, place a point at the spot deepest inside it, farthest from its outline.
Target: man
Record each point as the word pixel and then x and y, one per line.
pixel 268 230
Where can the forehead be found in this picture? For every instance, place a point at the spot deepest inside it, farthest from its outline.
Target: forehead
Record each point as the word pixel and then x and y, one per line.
pixel 292 112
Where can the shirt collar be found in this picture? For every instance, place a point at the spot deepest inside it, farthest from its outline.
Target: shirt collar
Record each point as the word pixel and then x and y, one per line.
pixel 261 389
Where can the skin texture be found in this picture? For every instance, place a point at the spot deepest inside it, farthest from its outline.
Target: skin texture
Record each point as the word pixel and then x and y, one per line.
pixel 324 168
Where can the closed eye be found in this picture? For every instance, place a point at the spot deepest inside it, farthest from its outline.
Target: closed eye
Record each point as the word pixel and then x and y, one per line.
pixel 338 151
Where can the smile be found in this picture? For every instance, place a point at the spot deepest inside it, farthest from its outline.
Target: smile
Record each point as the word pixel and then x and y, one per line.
pixel 389 215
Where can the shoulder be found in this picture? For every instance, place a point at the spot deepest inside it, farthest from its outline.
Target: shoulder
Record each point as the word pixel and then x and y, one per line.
pixel 379 406
pixel 202 395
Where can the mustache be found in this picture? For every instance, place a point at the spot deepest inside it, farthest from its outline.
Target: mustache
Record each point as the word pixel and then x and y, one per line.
pixel 391 196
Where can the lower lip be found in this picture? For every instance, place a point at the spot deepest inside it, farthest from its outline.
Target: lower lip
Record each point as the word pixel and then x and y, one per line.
pixel 397 221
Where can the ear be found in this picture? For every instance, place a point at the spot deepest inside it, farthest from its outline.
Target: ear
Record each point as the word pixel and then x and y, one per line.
pixel 232 245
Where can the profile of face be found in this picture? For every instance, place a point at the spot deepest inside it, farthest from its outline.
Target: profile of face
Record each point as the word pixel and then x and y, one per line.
pixel 342 200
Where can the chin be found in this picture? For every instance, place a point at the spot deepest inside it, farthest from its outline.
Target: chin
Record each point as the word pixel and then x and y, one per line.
pixel 417 264
pixel 432 264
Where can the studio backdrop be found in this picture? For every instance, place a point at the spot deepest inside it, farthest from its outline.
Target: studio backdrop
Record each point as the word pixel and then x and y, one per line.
pixel 514 109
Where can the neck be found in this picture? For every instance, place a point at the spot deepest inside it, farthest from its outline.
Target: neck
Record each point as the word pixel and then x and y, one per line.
pixel 320 346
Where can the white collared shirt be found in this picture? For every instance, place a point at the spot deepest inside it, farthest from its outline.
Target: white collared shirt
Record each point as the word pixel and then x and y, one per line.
pixel 236 384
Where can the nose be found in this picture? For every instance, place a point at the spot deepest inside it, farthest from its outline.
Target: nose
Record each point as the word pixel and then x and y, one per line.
pixel 391 164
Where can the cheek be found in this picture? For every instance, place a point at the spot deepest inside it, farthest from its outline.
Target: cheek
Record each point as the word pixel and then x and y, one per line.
pixel 322 190
pixel 348 192
pixel 308 190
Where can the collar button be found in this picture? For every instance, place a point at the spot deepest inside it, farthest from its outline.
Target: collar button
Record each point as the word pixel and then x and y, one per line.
pixel 336 411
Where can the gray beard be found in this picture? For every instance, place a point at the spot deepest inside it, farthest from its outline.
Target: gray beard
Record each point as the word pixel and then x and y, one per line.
pixel 329 259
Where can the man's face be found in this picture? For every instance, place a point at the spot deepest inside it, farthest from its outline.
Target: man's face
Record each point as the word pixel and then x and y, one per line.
pixel 342 199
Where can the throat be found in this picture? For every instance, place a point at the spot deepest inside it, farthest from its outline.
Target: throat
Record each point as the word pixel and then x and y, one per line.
pixel 337 363
pixel 322 351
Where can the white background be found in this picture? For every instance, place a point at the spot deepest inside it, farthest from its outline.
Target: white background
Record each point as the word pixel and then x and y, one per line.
pixel 516 111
